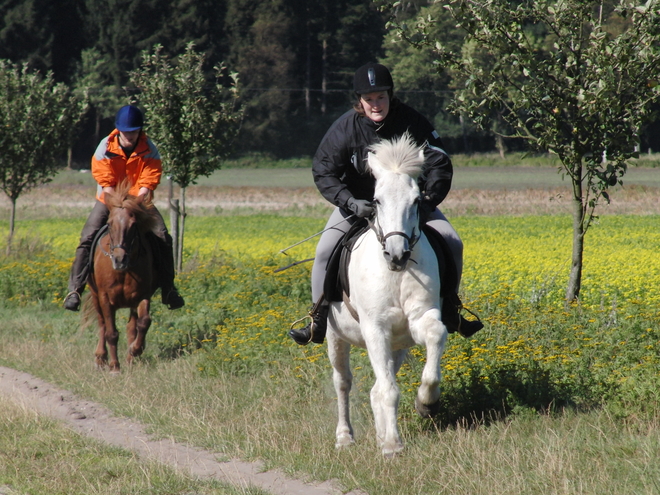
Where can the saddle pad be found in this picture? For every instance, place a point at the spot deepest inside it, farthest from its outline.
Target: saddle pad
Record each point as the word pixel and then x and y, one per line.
pixel 97 238
pixel 336 278
pixel 336 275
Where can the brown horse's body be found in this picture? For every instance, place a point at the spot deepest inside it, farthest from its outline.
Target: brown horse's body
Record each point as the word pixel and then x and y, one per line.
pixel 123 277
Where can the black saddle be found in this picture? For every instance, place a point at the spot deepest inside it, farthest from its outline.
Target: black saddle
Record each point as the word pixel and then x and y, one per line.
pixel 336 279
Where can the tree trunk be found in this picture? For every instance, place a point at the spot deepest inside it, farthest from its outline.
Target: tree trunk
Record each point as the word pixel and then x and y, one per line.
pixel 12 219
pixel 182 229
pixel 575 277
pixel 174 222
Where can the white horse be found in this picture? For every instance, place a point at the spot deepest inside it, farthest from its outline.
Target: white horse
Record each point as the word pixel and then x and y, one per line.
pixel 395 291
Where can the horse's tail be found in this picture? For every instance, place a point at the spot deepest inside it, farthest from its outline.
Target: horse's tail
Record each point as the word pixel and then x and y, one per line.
pixel 87 312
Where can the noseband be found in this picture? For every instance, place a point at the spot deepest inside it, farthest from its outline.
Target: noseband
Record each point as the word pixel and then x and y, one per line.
pixel 412 239
pixel 114 246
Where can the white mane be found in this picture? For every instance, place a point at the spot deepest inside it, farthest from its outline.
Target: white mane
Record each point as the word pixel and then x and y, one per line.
pixel 401 156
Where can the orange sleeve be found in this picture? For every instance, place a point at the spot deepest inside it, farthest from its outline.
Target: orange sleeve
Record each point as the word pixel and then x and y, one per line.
pixel 101 169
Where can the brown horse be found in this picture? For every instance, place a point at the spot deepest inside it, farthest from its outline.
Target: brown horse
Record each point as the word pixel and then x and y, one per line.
pixel 123 275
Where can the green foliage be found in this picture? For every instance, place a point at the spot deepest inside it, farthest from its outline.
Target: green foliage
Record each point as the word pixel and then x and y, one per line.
pixel 534 355
pixel 37 119
pixel 194 124
pixel 575 78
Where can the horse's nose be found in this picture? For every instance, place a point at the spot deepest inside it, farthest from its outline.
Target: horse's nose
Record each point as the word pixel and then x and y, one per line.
pixel 397 263
pixel 119 260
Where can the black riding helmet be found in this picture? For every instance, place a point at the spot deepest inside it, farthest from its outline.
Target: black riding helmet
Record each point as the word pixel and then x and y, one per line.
pixel 372 77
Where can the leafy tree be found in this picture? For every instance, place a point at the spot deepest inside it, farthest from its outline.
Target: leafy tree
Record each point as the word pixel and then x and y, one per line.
pixel 103 99
pixel 416 78
pixel 261 51
pixel 37 120
pixel 573 77
pixel 193 122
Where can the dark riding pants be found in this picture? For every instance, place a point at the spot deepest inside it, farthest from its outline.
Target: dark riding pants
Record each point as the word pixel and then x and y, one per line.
pixel 163 259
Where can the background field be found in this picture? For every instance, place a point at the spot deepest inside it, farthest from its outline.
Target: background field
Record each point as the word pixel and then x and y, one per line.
pixel 547 399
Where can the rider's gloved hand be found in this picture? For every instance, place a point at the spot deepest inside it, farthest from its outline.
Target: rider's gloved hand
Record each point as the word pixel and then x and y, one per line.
pixel 361 207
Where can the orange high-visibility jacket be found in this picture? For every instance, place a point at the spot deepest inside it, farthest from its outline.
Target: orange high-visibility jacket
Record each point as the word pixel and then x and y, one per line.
pixel 110 166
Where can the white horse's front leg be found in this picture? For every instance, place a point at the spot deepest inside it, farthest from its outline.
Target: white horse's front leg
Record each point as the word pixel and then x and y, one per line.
pixel 385 393
pixel 434 334
pixel 339 354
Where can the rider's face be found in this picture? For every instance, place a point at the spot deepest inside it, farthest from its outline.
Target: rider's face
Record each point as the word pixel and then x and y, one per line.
pixel 128 139
pixel 376 105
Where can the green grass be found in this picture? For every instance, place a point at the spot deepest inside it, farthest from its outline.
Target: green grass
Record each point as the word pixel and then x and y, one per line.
pixel 38 456
pixel 545 399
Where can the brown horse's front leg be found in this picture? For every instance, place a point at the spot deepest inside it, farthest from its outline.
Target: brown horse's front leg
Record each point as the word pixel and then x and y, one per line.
pixel 101 352
pixel 111 336
pixel 139 324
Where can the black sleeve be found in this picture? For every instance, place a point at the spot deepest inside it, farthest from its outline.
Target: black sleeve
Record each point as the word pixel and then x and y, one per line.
pixel 329 164
pixel 435 180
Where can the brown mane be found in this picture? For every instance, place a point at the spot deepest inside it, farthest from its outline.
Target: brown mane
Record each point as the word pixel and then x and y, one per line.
pixel 142 208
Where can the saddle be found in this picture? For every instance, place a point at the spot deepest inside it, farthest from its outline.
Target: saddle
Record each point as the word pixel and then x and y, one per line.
pixel 336 286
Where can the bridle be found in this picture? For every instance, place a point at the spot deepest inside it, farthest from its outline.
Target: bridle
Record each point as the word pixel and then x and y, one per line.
pixel 382 237
pixel 123 246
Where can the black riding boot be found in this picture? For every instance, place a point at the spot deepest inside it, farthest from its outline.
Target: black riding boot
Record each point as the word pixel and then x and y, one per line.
pixel 315 330
pixel 455 322
pixel 164 263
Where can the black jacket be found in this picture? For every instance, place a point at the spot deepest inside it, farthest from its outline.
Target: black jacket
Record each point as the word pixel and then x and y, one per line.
pixel 339 165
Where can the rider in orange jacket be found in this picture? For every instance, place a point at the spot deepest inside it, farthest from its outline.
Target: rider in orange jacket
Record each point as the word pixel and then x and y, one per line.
pixel 127 153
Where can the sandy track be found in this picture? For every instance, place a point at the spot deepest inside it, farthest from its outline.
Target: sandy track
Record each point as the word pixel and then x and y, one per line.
pixel 95 421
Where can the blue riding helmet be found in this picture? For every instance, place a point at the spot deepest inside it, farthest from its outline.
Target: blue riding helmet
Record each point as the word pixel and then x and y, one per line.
pixel 129 118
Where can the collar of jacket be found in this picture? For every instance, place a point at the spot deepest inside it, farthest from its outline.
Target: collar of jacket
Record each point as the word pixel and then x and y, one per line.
pixel 114 146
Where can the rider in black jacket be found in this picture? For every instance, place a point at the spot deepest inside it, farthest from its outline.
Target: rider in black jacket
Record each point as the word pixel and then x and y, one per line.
pixel 340 174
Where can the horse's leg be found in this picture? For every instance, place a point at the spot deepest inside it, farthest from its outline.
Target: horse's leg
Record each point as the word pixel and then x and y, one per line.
pixel 111 335
pixel 434 334
pixel 141 323
pixel 101 352
pixel 385 392
pixel 339 353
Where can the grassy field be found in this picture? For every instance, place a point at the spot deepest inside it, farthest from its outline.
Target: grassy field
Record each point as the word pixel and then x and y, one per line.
pixel 546 399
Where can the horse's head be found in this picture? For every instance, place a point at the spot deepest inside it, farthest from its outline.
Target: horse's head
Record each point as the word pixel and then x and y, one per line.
pixel 129 217
pixel 395 165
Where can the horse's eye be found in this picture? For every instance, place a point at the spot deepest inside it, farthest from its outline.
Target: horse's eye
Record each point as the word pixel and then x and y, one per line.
pixel 375 202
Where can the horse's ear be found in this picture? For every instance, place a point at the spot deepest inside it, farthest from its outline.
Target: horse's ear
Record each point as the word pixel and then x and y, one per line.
pixel 374 164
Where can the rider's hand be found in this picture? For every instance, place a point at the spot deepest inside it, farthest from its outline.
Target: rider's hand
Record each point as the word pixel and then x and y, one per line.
pixel 361 207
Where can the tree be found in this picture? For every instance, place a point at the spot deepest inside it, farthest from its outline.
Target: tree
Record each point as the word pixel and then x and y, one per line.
pixel 38 118
pixel 46 34
pixel 193 122
pixel 574 77
pixel 103 99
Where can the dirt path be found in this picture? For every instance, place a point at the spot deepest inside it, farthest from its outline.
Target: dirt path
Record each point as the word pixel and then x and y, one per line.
pixel 95 421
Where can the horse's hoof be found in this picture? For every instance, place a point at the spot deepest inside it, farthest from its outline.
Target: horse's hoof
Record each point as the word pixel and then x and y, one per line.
pixel 427 410
pixel 392 452
pixel 344 442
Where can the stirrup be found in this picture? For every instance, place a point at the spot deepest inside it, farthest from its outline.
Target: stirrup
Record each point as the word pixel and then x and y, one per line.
pixel 312 316
pixel 472 326
pixel 297 331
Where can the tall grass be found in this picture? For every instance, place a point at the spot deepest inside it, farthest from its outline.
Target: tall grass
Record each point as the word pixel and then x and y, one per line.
pixel 545 399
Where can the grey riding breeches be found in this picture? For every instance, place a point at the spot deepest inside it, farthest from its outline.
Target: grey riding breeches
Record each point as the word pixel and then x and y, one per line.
pixel 337 226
